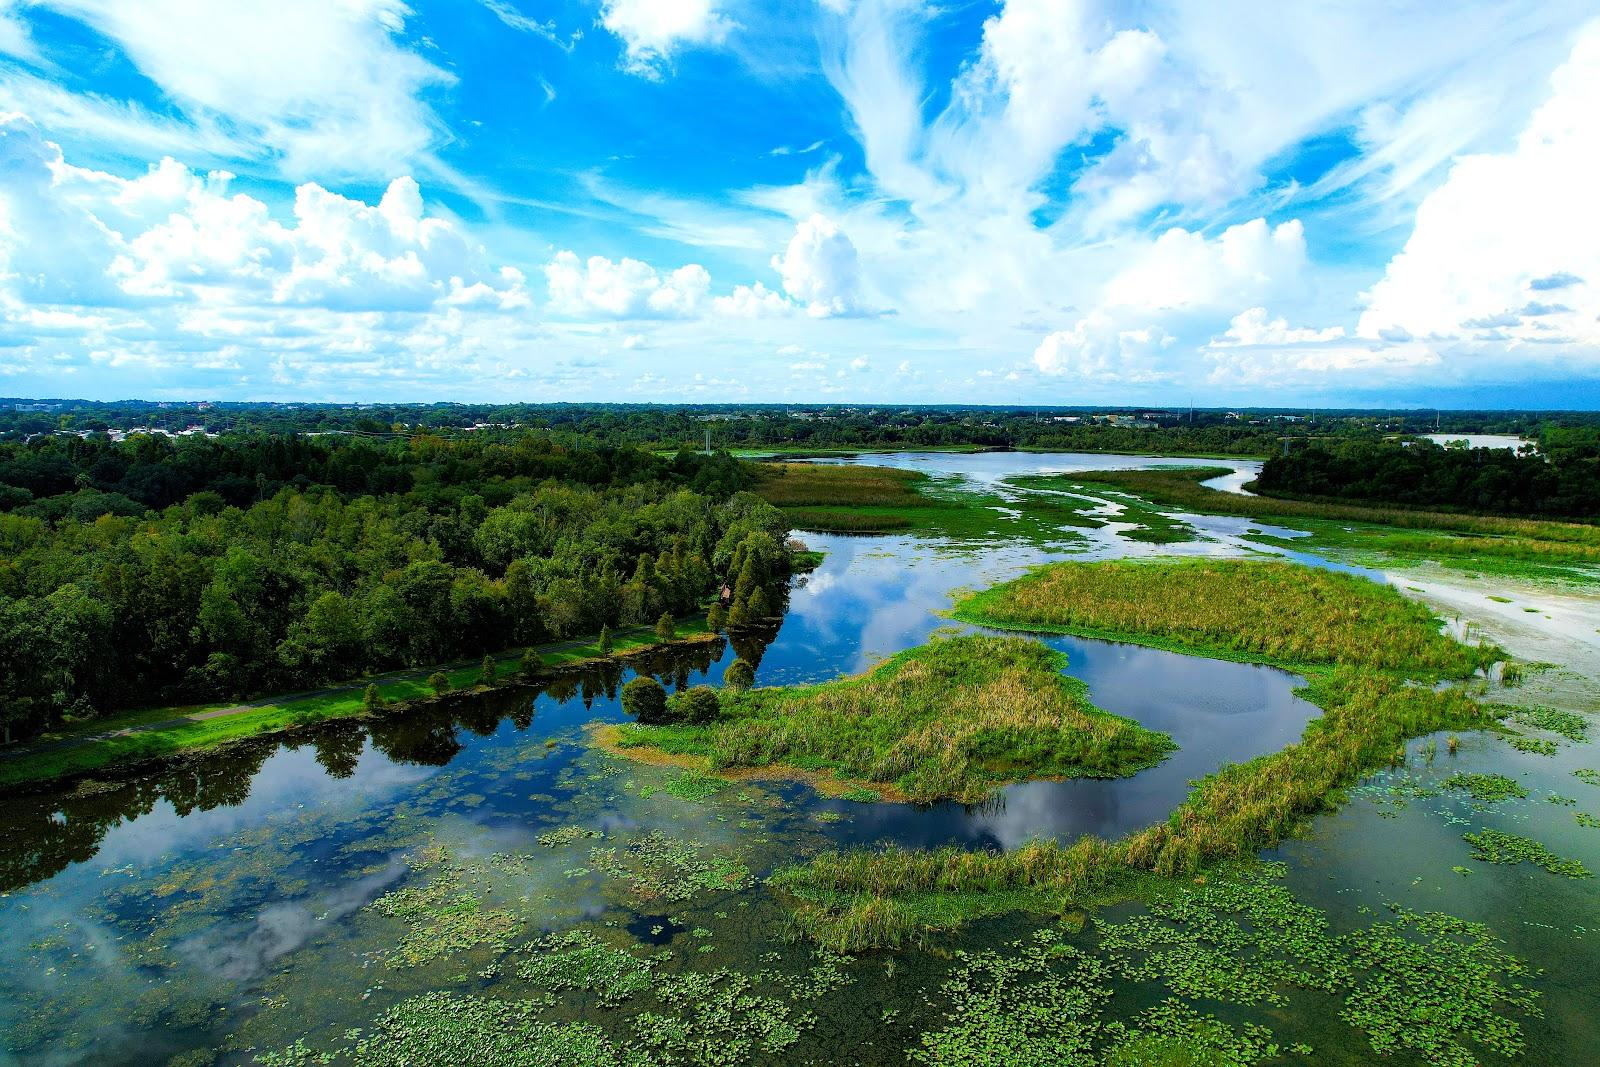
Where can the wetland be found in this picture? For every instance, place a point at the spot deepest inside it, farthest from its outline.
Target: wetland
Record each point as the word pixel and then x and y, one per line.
pixel 1195 783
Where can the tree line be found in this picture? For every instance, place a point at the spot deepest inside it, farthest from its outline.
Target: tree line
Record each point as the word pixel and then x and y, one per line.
pixel 1558 479
pixel 154 571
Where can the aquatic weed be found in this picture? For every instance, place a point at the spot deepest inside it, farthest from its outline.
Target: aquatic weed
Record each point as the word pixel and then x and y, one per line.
pixel 1495 846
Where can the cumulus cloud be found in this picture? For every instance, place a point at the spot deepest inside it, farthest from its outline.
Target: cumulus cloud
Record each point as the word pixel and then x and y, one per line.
pixel 1184 270
pixel 820 270
pixel 752 302
pixel 626 289
pixel 1507 225
pixel 174 268
pixel 1098 349
pixel 1252 327
pixel 651 30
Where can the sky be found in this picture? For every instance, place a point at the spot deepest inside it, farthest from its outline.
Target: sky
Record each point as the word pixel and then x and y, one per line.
pixel 1330 202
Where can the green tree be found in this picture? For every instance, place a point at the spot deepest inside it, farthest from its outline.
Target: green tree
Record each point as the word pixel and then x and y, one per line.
pixel 739 675
pixel 488 673
pixel 531 664
pixel 645 700
pixel 604 644
pixel 757 607
pixel 717 617
pixel 372 699
pixel 666 628
pixel 439 682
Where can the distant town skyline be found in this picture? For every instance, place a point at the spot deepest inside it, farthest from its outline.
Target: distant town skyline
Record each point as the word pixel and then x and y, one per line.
pixel 1034 202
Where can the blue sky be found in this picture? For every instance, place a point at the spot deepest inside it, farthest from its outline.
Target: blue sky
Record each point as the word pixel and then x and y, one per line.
pixel 1033 201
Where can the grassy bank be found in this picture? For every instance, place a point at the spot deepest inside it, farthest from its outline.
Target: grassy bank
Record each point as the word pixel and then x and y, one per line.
pixel 159 733
pixel 954 718
pixel 1479 541
pixel 1361 646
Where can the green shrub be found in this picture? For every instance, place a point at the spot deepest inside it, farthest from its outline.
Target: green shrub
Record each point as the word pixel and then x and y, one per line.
pixel 645 700
pixel 666 629
pixel 739 675
pixel 439 682
pixel 696 706
pixel 604 644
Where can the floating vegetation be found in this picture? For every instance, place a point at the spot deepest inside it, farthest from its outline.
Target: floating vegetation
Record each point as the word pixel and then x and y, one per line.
pixel 1536 746
pixel 578 960
pixel 1172 1033
pixel 661 867
pixel 717 1018
pixel 1436 985
pixel 1587 774
pixel 567 835
pixel 446 1030
pixel 1573 727
pixel 1494 846
pixel 1487 788
pixel 1585 819
pixel 444 916
pixel 1242 941
pixel 1036 1005
pixel 861 795
pixel 1428 983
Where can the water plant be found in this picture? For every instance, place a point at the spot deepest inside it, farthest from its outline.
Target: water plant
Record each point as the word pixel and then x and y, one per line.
pixel 577 959
pixel 1496 846
pixel 1572 726
pixel 1487 788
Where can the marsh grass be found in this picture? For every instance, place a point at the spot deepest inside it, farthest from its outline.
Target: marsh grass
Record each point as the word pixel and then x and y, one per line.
pixel 1260 611
pixel 954 718
pixel 1361 647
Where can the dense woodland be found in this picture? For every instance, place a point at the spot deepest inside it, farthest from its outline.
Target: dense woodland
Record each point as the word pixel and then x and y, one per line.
pixel 1243 432
pixel 1559 480
pixel 156 571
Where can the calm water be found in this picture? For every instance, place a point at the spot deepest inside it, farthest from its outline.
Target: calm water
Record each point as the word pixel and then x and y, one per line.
pixel 223 906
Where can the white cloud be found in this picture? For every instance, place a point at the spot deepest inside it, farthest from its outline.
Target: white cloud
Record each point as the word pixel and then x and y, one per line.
pixel 651 30
pixel 819 269
pixel 14 37
pixel 322 88
pixel 1252 327
pixel 171 269
pixel 626 289
pixel 1098 349
pixel 752 302
pixel 860 363
pixel 1186 270
pixel 1508 248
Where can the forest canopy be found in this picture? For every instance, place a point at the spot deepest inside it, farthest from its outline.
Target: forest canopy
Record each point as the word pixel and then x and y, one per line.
pixel 1560 479
pixel 217 567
